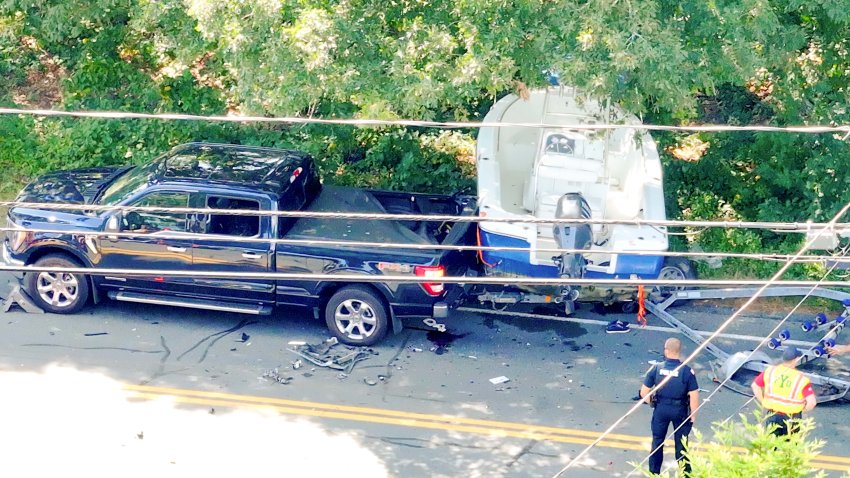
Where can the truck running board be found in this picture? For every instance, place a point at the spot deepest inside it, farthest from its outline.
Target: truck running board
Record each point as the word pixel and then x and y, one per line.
pixel 255 309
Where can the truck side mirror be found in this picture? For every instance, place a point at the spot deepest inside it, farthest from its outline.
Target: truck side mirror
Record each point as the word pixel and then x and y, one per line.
pixel 113 224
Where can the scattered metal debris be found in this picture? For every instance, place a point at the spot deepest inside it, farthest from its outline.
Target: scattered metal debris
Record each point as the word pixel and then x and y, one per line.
pixel 275 375
pixel 331 354
pixel 19 296
pixel 430 322
pixel 296 364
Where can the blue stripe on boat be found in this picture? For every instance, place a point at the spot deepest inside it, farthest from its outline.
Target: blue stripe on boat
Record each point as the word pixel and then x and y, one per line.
pixel 516 263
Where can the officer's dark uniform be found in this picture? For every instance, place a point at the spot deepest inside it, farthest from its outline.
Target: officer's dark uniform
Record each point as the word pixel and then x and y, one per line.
pixel 671 407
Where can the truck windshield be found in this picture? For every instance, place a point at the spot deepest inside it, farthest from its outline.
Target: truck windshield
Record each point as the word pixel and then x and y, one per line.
pixel 128 183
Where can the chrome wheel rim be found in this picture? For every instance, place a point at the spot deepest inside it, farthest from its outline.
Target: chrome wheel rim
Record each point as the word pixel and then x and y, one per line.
pixel 356 319
pixel 59 289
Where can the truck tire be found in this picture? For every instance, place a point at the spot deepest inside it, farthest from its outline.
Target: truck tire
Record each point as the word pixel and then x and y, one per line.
pixel 357 315
pixel 57 292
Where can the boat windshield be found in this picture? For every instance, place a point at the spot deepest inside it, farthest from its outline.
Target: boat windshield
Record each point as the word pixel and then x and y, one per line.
pixel 560 144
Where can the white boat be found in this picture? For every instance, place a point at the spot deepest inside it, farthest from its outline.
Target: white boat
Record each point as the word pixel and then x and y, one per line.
pixel 524 171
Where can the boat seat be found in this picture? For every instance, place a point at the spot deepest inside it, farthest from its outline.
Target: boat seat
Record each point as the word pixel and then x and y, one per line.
pixel 558 174
pixel 595 194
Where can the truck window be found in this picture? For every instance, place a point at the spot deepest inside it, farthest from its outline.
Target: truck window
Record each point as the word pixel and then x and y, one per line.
pixel 233 225
pixel 144 221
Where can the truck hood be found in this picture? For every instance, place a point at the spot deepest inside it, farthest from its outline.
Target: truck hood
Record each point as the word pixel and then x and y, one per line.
pixel 67 187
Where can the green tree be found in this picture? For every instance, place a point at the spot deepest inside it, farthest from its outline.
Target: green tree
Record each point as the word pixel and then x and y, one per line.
pixel 745 449
pixel 781 62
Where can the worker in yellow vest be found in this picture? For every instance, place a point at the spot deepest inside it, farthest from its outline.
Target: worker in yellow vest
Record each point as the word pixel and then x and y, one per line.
pixel 785 392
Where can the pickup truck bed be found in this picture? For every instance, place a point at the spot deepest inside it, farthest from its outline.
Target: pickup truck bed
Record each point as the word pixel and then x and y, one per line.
pixel 345 199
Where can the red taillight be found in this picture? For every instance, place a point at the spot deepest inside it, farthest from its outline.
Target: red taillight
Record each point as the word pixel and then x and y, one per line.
pixel 295 175
pixel 432 288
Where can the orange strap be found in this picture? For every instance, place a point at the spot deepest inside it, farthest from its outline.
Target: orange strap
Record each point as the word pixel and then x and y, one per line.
pixel 641 313
pixel 480 252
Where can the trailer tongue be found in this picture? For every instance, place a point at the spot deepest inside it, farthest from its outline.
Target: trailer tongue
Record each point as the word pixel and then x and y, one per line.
pixel 726 365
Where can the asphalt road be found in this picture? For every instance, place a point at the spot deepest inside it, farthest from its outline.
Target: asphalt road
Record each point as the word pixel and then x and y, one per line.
pixel 136 389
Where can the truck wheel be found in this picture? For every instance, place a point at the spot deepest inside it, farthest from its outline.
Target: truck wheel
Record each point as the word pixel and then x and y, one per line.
pixel 57 292
pixel 356 315
pixel 675 269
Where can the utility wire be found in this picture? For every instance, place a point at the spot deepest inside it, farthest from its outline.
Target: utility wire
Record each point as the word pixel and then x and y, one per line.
pixel 776 226
pixel 426 247
pixel 352 276
pixel 704 344
pixel 815 129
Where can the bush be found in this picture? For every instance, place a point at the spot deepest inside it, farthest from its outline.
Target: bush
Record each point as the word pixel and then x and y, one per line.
pixel 745 449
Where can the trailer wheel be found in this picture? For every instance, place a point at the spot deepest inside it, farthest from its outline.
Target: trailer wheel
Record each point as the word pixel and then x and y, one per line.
pixel 57 292
pixel 357 315
pixel 675 269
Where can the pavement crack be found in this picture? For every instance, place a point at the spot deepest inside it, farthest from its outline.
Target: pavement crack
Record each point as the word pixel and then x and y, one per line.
pixel 160 370
pixel 162 373
pixel 164 349
pixel 525 450
pixel 404 441
pixel 412 442
pixel 213 338
pixel 389 367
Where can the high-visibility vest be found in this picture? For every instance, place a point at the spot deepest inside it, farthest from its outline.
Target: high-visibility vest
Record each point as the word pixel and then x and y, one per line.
pixel 783 389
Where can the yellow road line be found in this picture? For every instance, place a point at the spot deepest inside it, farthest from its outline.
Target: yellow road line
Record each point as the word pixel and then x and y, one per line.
pixel 420 420
pixel 378 411
pixel 405 422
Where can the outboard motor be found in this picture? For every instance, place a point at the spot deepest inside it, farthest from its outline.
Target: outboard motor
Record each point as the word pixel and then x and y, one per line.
pixel 572 236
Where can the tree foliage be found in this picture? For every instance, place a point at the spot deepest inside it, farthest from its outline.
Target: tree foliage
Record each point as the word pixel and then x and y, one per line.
pixel 745 449
pixel 782 62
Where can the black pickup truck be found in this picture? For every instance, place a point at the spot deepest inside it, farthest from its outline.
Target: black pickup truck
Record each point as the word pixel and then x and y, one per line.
pixel 218 177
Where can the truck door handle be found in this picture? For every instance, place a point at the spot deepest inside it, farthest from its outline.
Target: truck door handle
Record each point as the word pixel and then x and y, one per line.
pixel 176 249
pixel 251 255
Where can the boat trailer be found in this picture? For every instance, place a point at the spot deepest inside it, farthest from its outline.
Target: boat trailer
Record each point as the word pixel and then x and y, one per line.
pixel 727 365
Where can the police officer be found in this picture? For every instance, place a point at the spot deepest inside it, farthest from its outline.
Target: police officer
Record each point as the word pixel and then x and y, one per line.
pixel 675 403
pixel 784 391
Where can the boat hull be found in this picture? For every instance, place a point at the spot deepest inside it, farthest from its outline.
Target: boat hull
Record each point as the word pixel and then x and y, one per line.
pixel 518 263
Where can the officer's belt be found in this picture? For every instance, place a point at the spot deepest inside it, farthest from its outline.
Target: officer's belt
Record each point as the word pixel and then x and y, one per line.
pixel 673 401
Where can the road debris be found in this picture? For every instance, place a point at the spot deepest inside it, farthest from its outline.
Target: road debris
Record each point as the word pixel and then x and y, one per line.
pixel 331 354
pixel 275 376
pixel 19 296
pixel 296 364
pixel 499 379
pixel 430 322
